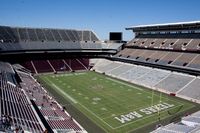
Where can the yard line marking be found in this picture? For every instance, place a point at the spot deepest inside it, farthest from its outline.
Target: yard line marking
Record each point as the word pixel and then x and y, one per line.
pixel 64 93
pixel 71 74
pixel 61 91
pixel 103 119
pixel 125 84
pixel 138 88
pixel 95 115
pixel 154 121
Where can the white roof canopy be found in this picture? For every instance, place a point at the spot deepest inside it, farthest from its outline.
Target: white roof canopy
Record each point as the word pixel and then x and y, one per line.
pixel 164 24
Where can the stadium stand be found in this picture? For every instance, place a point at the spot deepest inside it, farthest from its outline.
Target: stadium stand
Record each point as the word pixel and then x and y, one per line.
pixel 100 63
pixel 188 124
pixel 164 58
pixel 135 73
pixel 109 67
pixel 169 58
pixel 161 46
pixel 174 82
pixel 192 90
pixel 165 45
pixel 18 100
pixel 195 63
pixel 17 34
pixel 194 44
pixel 42 66
pixel 59 65
pixel 175 128
pixel 119 70
pixel 184 59
pixel 13 99
pixel 56 117
pixel 153 77
pixel 30 39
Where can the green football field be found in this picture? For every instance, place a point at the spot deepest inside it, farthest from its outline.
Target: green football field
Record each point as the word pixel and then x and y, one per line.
pixel 112 104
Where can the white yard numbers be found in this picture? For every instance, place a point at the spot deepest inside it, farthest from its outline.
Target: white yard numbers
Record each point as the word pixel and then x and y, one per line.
pixel 146 111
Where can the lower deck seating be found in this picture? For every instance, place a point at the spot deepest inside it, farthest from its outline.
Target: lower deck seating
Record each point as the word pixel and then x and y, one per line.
pixel 109 67
pixel 42 66
pixel 174 82
pixel 101 63
pixel 64 124
pixel 58 65
pixel 15 104
pixel 76 64
pixel 166 81
pixel 153 77
pixel 135 73
pixel 192 90
pixel 188 124
pixel 29 66
pixel 55 115
pixel 174 128
pixel 119 70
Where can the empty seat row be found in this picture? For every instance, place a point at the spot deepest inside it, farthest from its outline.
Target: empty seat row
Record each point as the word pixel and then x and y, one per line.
pixel 15 104
pixel 42 66
pixel 178 59
pixel 13 35
pixel 54 113
pixel 190 44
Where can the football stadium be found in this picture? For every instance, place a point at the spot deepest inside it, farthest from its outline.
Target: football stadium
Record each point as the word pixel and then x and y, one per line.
pixel 59 80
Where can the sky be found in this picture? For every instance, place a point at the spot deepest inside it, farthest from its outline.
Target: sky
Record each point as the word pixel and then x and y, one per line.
pixel 101 16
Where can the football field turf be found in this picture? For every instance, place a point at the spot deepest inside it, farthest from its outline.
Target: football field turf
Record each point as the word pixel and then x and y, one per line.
pixel 112 104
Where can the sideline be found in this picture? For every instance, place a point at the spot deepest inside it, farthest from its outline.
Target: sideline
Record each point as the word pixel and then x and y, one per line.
pixel 64 93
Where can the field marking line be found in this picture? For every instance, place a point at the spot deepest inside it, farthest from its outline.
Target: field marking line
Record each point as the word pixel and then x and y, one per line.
pixel 64 93
pixel 128 111
pixel 165 99
pixel 70 74
pixel 145 117
pixel 95 115
pixel 106 112
pixel 134 87
pixel 154 121
pixel 150 89
pixel 138 108
pixel 146 91
pixel 120 82
pixel 127 107
pixel 127 123
pixel 61 91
